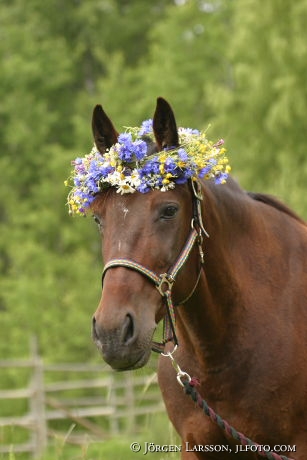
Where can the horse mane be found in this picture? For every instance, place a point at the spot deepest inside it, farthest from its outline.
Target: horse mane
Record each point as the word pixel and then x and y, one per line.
pixel 275 203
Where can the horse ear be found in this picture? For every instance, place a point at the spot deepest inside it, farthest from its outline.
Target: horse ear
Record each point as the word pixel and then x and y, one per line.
pixel 104 132
pixel 164 125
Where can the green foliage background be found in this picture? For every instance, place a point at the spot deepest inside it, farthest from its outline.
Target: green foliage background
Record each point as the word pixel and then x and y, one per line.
pixel 237 64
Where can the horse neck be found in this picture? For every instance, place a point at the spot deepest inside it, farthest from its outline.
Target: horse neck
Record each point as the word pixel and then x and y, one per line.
pixel 204 321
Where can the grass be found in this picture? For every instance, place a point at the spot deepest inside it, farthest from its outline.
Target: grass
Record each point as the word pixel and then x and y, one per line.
pixel 157 429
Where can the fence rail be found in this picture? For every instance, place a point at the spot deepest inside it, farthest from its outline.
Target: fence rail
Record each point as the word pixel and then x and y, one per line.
pixel 100 415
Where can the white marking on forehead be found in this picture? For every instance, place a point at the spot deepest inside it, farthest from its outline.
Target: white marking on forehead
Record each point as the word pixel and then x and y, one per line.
pixel 119 246
pixel 121 206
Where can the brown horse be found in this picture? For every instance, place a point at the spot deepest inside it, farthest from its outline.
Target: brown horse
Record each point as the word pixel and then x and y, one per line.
pixel 243 330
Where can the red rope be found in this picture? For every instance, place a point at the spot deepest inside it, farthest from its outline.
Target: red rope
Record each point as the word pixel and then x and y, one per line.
pixel 189 388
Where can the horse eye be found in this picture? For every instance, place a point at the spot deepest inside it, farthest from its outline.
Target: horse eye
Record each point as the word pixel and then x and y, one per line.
pixel 169 212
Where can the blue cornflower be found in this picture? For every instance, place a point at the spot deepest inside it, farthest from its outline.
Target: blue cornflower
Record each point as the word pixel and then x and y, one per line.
pixel 128 150
pixel 151 167
pixel 140 149
pixel 146 127
pixel 180 180
pixel 77 181
pixel 91 185
pixel 190 131
pixel 125 149
pixel 143 187
pixel 81 195
pixel 170 166
pixel 182 154
pixel 221 178
pixel 125 153
pixel 105 170
pixel 206 170
pixel 80 168
pixel 125 138
pixel 183 175
pixel 94 169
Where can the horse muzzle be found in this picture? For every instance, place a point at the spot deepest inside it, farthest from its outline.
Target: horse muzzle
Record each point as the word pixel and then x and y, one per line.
pixel 123 347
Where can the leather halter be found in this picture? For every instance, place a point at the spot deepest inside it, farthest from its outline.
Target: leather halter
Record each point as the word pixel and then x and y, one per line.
pixel 165 281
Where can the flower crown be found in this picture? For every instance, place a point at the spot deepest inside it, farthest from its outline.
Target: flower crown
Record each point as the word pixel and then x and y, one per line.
pixel 128 167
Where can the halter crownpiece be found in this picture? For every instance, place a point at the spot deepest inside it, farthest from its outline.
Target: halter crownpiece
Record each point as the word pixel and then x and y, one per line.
pixel 129 167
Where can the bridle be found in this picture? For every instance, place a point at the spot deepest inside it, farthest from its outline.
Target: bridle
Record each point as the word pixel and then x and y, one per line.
pixel 165 281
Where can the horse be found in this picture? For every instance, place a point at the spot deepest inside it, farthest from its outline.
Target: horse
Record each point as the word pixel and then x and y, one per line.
pixel 241 315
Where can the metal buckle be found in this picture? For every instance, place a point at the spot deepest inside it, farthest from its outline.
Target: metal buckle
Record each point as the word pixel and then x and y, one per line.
pixel 165 279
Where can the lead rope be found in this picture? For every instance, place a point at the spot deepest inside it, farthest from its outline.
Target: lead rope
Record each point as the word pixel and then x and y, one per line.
pixel 189 385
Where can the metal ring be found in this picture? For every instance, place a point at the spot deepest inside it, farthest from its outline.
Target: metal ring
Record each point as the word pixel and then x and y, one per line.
pixel 165 279
pixel 183 374
pixel 169 354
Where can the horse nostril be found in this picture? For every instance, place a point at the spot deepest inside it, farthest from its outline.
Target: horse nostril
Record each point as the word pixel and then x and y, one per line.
pixel 128 330
pixel 126 334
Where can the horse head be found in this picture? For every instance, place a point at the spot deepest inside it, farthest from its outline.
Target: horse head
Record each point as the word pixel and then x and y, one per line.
pixel 148 228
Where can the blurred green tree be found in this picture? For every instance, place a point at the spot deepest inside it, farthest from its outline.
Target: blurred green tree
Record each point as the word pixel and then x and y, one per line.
pixel 52 55
pixel 262 105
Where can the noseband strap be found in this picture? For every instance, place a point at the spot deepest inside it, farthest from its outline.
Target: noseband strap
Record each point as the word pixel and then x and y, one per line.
pixel 165 281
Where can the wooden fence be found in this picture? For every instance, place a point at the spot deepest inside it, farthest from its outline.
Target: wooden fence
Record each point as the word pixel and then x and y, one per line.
pixel 101 406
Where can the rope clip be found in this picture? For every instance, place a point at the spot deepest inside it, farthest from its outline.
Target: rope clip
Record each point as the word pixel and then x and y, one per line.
pixel 180 373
